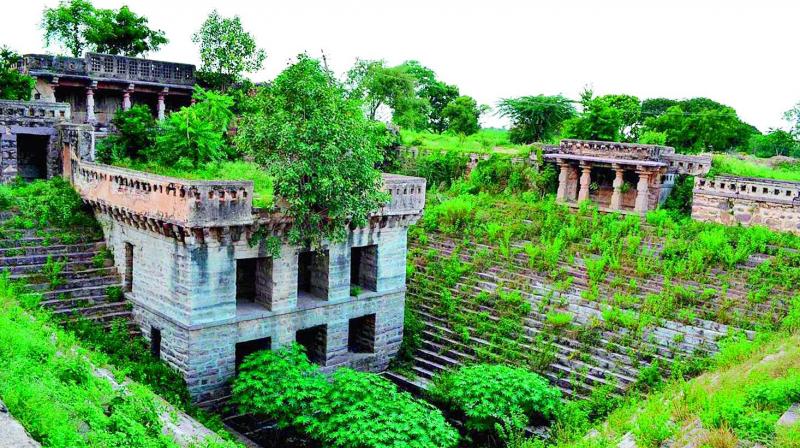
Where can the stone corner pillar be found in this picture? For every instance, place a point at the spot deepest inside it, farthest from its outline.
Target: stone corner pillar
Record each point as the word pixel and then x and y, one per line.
pixel 586 179
pixel 563 178
pixel 126 97
pixel 90 117
pixel 616 196
pixel 162 107
pixel 642 190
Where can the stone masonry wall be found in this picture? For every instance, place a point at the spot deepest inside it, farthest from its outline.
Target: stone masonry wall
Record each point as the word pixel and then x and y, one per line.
pixel 731 201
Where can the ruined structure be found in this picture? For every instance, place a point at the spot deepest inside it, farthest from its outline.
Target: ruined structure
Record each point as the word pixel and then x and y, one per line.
pixel 206 297
pixel 627 177
pixel 97 85
pixel 29 141
pixel 748 201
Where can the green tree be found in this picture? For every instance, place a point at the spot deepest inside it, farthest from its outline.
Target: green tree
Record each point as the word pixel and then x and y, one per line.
pixel 776 142
pixel 122 32
pixel 607 117
pixel 226 48
pixel 792 116
pixel 13 84
pixel 536 118
pixel 135 132
pixel 377 85
pixel 439 95
pixel 77 26
pixel 462 115
pixel 196 134
pixel 700 124
pixel 319 147
pixel 653 107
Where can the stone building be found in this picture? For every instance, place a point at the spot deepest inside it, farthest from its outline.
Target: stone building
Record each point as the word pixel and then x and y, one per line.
pixel 748 201
pixel 97 85
pixel 626 177
pixel 206 297
pixel 29 145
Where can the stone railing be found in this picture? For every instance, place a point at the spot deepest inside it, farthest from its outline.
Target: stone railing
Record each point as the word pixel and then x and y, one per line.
pixel 766 190
pixel 34 110
pixel 111 67
pixel 159 200
pixel 686 164
pixel 407 195
pixel 630 151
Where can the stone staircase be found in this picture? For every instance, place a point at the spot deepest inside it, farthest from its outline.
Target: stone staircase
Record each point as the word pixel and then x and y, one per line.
pixel 83 283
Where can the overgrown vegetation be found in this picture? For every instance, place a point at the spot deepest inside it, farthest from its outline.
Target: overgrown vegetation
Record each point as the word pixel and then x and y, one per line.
pixel 744 166
pixel 349 409
pixel 13 84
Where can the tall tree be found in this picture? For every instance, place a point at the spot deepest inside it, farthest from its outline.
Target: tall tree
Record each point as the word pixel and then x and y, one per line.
pixel 77 26
pixel 439 95
pixel 226 48
pixel 377 85
pixel 792 116
pixel 317 144
pixel 13 84
pixel 536 118
pixel 607 117
pixel 461 115
pixel 123 32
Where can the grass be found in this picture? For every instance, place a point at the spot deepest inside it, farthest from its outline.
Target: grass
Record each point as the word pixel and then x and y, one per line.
pixel 725 164
pixel 231 170
pixel 484 141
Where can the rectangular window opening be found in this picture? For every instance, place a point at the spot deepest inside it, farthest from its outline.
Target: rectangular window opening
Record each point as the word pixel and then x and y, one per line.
pixel 155 342
pixel 363 268
pixel 315 341
pixel 254 280
pixel 244 349
pixel 312 274
pixel 128 267
pixel 361 334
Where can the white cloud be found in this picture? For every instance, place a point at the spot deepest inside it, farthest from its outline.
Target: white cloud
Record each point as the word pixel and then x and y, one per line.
pixel 739 53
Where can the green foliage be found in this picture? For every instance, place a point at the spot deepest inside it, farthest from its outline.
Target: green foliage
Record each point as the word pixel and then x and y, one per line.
pixel 483 141
pixel 13 84
pixel 536 118
pixel 319 148
pixel 227 49
pixel 377 85
pixel 43 204
pixel 194 135
pixel 680 198
pixel 351 409
pixel 461 115
pixel 654 426
pixel 77 26
pixel 653 138
pixel 135 132
pixel 723 164
pixel 700 124
pixel 440 169
pixel 486 394
pixel 608 117
pixel 775 143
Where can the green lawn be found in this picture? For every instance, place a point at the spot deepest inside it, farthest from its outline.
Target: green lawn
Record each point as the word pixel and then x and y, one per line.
pixel 484 141
pixel 748 166
pixel 237 170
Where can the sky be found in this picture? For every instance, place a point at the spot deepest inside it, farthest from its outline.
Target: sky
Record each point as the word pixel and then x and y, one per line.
pixel 741 53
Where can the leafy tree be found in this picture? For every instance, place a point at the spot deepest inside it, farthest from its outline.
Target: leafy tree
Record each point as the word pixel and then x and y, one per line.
pixel 77 25
pixel 122 32
pixel 607 117
pixel 320 149
pixel 135 131
pixel 196 134
pixel 653 138
pixel 793 117
pixel 377 85
pixel 462 115
pixel 653 107
pixel 352 410
pixel 700 124
pixel 536 118
pixel 775 143
pixel 488 393
pixel 412 112
pixel 13 84
pixel 226 48
pixel 439 95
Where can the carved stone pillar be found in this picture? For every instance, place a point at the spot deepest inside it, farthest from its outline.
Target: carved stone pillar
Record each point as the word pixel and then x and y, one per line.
pixel 563 177
pixel 161 106
pixel 642 190
pixel 616 196
pixel 126 97
pixel 586 179
pixel 90 118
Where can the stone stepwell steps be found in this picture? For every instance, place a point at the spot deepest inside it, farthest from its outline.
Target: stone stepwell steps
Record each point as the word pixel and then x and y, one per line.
pixel 87 285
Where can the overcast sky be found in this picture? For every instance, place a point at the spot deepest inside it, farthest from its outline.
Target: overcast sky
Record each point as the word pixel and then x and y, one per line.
pixel 744 54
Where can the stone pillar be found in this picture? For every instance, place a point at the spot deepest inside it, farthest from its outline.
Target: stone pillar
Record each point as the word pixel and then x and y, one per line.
pixel 563 177
pixel 586 179
pixel 616 197
pixel 161 106
pixel 642 190
pixel 126 97
pixel 90 118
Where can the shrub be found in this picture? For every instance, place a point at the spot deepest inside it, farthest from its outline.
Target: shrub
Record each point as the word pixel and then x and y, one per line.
pixel 135 132
pixel 352 409
pixel 486 394
pixel 44 204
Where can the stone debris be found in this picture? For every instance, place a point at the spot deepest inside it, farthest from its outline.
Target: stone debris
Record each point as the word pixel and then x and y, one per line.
pixel 12 434
pixel 627 441
pixel 791 416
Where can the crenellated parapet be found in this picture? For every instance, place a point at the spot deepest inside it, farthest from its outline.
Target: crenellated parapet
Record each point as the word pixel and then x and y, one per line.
pixel 692 165
pixel 629 151
pixel 24 111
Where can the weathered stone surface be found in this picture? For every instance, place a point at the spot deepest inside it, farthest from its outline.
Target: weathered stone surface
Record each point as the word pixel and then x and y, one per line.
pixel 29 118
pixel 791 416
pixel 12 434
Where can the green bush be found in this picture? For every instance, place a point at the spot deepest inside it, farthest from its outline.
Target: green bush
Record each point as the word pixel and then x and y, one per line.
pixel 488 393
pixel 135 132
pixel 351 409
pixel 43 204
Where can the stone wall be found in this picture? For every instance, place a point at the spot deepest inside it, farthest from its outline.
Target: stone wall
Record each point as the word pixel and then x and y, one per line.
pixel 748 201
pixel 35 120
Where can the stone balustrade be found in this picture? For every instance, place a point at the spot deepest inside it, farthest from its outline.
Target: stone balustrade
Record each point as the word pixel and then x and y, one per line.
pixel 697 165
pixel 630 151
pixel 161 200
pixel 768 190
pixel 407 195
pixel 33 110
pixel 111 67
